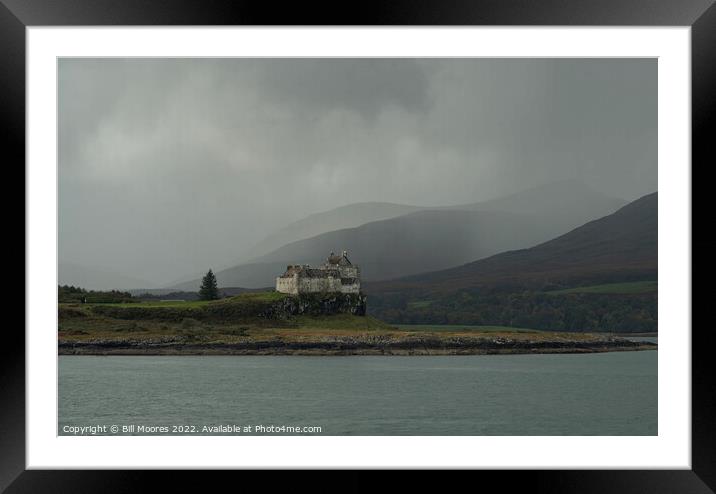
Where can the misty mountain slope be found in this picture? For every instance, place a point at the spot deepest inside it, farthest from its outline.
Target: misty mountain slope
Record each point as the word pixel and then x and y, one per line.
pixel 96 279
pixel 618 247
pixel 339 218
pixel 428 239
pixel 560 206
pixel 414 243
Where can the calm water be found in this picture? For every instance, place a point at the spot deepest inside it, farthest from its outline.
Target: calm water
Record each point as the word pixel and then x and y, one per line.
pixel 594 394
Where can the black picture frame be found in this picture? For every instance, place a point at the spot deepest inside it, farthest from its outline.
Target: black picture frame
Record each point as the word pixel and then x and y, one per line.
pixel 16 15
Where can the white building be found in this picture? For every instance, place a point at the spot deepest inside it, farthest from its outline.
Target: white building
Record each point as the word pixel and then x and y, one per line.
pixel 337 275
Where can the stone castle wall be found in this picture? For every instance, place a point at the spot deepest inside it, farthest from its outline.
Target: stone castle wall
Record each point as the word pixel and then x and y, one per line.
pixel 317 285
pixel 287 285
pixel 343 279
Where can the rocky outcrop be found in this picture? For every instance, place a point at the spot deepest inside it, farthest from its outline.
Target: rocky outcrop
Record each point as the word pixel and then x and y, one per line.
pixel 317 304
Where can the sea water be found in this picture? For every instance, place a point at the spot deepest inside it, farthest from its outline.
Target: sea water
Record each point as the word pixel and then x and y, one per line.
pixel 549 394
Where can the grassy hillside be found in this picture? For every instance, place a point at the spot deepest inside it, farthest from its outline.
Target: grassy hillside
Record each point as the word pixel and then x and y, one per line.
pixel 598 277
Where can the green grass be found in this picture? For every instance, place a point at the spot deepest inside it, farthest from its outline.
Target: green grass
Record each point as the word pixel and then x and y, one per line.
pixel 341 321
pixel 78 323
pixel 92 326
pixel 241 307
pixel 255 296
pixel 438 328
pixel 234 316
pixel 159 303
pixel 237 299
pixel 621 288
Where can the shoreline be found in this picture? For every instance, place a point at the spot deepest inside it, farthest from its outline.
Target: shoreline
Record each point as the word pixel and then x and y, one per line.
pixel 335 349
pixel 636 335
pixel 234 329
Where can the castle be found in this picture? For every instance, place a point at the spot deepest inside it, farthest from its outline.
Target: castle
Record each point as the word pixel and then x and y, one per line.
pixel 337 274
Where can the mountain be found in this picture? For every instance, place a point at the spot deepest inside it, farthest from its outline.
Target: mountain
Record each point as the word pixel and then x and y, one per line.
pixel 424 239
pixel 96 279
pixel 414 243
pixel 348 216
pixel 619 247
pixel 559 206
pixel 546 202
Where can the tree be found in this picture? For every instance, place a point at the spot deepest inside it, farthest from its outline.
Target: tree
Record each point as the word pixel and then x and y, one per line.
pixel 208 290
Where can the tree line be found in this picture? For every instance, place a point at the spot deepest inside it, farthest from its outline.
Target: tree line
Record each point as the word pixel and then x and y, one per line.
pixel 74 294
pixel 527 309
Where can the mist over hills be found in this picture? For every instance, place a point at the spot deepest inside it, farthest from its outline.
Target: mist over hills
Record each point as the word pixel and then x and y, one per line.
pixel 619 247
pixel 391 241
pixel 348 216
pixel 425 239
pixel 558 206
pixel 546 201
pixel 414 243
pixel 91 278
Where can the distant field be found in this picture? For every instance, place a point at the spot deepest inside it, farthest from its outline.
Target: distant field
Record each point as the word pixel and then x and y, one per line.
pixel 630 287
pixel 440 328
pixel 160 303
pixel 256 297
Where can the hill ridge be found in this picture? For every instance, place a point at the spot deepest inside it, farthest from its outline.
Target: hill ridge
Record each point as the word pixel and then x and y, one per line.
pixel 622 245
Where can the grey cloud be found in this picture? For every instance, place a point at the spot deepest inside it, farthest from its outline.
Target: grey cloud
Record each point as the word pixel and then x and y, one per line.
pixel 168 167
pixel 365 86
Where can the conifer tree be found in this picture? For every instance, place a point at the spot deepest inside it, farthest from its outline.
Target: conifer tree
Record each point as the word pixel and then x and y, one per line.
pixel 209 290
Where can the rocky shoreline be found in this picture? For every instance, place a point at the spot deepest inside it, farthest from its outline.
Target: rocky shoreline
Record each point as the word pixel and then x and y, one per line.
pixel 350 346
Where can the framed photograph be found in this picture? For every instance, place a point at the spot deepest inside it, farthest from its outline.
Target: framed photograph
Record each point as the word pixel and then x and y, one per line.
pixel 411 238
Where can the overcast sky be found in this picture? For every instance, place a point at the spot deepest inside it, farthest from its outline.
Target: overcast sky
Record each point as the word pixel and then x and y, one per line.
pixel 169 166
